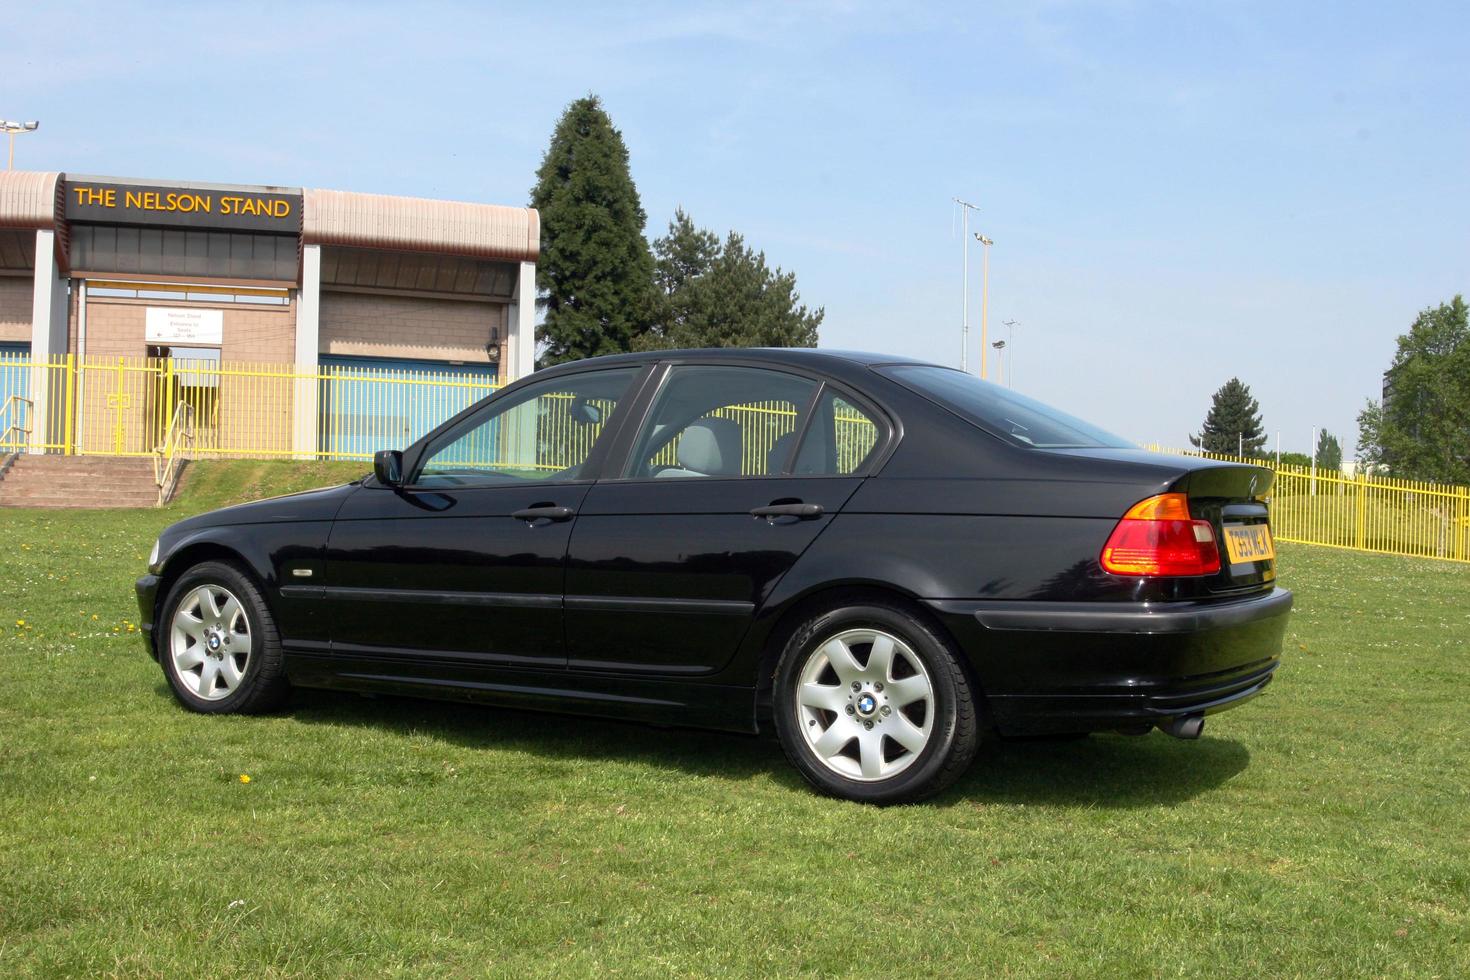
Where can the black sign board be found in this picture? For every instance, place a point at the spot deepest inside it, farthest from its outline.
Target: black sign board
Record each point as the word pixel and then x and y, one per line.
pixel 244 209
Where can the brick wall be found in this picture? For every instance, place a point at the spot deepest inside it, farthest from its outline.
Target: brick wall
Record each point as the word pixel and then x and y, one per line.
pixel 255 334
pixel 371 325
pixel 16 294
pixel 247 413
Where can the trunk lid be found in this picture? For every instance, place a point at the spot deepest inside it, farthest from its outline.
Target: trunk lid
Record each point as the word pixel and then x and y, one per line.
pixel 1232 497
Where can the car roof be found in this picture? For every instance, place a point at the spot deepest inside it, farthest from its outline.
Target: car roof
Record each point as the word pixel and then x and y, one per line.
pixel 806 356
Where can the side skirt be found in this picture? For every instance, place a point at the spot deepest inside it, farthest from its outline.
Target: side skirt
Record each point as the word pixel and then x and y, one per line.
pixel 534 689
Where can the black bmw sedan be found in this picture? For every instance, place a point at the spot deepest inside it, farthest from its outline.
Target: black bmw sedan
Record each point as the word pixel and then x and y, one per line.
pixel 884 560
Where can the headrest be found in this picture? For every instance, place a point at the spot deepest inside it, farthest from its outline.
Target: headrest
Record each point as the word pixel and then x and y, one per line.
pixel 711 446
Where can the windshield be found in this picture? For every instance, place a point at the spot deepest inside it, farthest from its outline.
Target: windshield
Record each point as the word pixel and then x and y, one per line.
pixel 1000 411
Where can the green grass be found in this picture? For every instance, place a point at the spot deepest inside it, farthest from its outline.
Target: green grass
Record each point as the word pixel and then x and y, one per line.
pixel 1321 830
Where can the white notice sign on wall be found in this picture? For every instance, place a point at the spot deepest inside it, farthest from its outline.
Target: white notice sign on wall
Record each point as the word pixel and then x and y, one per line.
pixel 171 325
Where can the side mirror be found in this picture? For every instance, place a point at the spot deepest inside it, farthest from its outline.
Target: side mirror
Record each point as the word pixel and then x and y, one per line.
pixel 388 467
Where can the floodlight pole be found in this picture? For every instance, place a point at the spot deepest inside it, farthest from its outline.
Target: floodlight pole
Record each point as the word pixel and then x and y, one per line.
pixel 11 128
pixel 1011 346
pixel 966 207
pixel 984 300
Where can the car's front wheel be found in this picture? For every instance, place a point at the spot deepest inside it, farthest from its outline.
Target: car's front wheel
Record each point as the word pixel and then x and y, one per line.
pixel 218 643
pixel 872 704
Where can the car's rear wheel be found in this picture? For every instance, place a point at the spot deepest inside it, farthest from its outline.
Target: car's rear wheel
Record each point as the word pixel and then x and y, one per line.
pixel 872 704
pixel 218 643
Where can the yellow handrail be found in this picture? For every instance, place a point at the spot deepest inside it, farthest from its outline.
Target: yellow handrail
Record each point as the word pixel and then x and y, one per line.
pixel 12 408
pixel 168 457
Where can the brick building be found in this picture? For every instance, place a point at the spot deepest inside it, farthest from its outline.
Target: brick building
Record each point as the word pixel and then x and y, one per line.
pixel 108 266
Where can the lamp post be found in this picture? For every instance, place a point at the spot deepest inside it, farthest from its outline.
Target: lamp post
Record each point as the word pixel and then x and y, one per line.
pixel 1000 346
pixel 1011 343
pixel 966 207
pixel 984 298
pixel 10 127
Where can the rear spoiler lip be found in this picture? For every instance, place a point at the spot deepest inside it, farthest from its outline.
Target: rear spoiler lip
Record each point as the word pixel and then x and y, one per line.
pixel 1231 481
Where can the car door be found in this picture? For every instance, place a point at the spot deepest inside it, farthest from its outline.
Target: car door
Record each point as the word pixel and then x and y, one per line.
pixel 713 503
pixel 463 563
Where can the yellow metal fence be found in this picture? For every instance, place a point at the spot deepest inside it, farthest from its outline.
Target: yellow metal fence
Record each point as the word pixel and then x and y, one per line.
pixel 121 406
pixel 1364 512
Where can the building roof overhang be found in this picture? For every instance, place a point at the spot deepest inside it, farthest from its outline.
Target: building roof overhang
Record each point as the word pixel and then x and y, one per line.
pixel 28 198
pixel 487 231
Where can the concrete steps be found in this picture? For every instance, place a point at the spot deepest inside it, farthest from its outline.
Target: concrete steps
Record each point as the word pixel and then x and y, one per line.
pixel 77 482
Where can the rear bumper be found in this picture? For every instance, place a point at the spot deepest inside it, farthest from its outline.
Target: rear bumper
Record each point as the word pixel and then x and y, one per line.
pixel 1071 667
pixel 147 589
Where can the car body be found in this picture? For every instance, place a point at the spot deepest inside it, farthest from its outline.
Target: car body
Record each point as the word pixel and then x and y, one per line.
pixel 657 577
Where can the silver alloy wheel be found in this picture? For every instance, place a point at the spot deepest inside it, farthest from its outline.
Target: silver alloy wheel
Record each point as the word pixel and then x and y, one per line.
pixel 210 642
pixel 875 720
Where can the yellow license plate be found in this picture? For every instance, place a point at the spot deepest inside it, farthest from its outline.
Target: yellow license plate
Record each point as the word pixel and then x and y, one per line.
pixel 1249 542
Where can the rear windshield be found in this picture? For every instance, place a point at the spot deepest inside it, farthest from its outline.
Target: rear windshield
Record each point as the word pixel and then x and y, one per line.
pixel 1000 411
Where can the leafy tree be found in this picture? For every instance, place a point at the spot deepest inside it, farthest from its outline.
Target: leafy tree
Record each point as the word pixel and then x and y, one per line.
pixel 1296 459
pixel 596 272
pixel 1371 452
pixel 1329 452
pixel 1233 414
pixel 723 294
pixel 1422 432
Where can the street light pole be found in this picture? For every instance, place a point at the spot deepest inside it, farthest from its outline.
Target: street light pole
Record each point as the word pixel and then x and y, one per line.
pixel 966 207
pixel 1011 345
pixel 984 299
pixel 1000 346
pixel 11 128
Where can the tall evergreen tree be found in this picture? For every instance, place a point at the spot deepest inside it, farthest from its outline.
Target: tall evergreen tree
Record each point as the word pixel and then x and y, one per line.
pixel 1329 452
pixel 1422 431
pixel 1233 424
pixel 723 294
pixel 595 274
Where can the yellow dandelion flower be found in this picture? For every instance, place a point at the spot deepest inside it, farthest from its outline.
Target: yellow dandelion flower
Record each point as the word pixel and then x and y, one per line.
pixel 244 777
pixel 20 622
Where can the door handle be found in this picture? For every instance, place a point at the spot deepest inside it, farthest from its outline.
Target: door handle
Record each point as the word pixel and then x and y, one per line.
pixel 805 512
pixel 544 512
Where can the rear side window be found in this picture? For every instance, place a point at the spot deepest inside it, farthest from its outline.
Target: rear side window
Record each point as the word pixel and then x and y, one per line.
pixel 1017 419
pixel 839 440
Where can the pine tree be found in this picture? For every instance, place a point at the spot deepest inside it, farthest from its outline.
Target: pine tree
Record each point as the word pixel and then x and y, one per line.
pixel 682 257
pixel 1329 452
pixel 723 294
pixel 595 272
pixel 1233 425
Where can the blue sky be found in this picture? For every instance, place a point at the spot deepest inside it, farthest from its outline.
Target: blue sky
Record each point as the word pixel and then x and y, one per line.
pixel 1178 192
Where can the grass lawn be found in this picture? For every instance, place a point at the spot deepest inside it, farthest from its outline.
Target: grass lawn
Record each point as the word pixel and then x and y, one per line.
pixel 1322 830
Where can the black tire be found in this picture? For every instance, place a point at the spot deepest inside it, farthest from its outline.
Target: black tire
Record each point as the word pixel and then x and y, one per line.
pixel 954 736
pixel 262 685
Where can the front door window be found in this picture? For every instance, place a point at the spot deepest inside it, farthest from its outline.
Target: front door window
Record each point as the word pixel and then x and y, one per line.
pixel 543 433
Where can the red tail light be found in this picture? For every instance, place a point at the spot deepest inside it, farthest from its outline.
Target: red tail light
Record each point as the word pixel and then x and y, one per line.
pixel 1158 537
